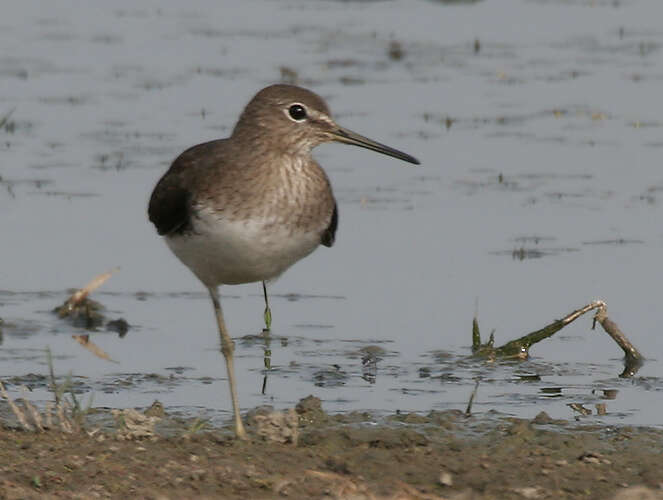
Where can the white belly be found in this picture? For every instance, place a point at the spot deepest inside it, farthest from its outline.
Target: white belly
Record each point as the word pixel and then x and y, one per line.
pixel 221 251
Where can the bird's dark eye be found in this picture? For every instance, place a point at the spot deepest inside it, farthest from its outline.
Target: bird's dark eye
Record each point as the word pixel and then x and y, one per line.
pixel 297 112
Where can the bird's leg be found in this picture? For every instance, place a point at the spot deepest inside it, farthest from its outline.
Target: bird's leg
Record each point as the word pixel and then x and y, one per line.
pixel 268 311
pixel 268 351
pixel 227 348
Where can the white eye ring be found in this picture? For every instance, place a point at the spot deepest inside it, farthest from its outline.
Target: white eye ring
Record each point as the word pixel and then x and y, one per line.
pixel 297 112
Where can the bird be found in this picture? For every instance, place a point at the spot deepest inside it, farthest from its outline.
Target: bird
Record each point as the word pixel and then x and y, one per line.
pixel 245 208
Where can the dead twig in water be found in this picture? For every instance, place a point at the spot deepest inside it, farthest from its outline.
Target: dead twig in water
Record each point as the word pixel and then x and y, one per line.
pixel 80 295
pixel 86 313
pixel 519 348
pixel 633 360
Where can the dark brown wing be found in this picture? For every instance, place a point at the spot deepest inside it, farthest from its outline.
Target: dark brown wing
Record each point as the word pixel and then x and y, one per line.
pixel 329 235
pixel 170 204
pixel 169 207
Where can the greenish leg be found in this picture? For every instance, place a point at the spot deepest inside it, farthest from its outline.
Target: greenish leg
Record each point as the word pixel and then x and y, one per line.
pixel 268 324
pixel 268 311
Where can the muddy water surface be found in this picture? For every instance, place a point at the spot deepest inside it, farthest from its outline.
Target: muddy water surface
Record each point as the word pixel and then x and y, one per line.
pixel 539 128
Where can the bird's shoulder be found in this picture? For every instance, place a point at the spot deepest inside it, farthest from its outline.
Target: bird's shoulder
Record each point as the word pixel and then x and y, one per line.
pixel 169 208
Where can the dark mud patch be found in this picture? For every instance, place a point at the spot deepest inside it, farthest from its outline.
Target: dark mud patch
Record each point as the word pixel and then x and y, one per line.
pixel 354 455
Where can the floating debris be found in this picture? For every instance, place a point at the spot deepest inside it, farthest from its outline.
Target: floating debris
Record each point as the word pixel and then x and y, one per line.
pixel 82 310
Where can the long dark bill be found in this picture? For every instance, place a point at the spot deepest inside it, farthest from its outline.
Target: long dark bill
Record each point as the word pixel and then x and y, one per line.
pixel 349 137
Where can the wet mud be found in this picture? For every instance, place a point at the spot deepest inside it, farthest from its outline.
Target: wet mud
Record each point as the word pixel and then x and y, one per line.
pixel 443 454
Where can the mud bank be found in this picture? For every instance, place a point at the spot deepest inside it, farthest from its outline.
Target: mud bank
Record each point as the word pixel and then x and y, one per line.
pixel 308 453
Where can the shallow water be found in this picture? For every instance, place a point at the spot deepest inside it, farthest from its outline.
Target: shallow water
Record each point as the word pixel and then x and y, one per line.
pixel 540 136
